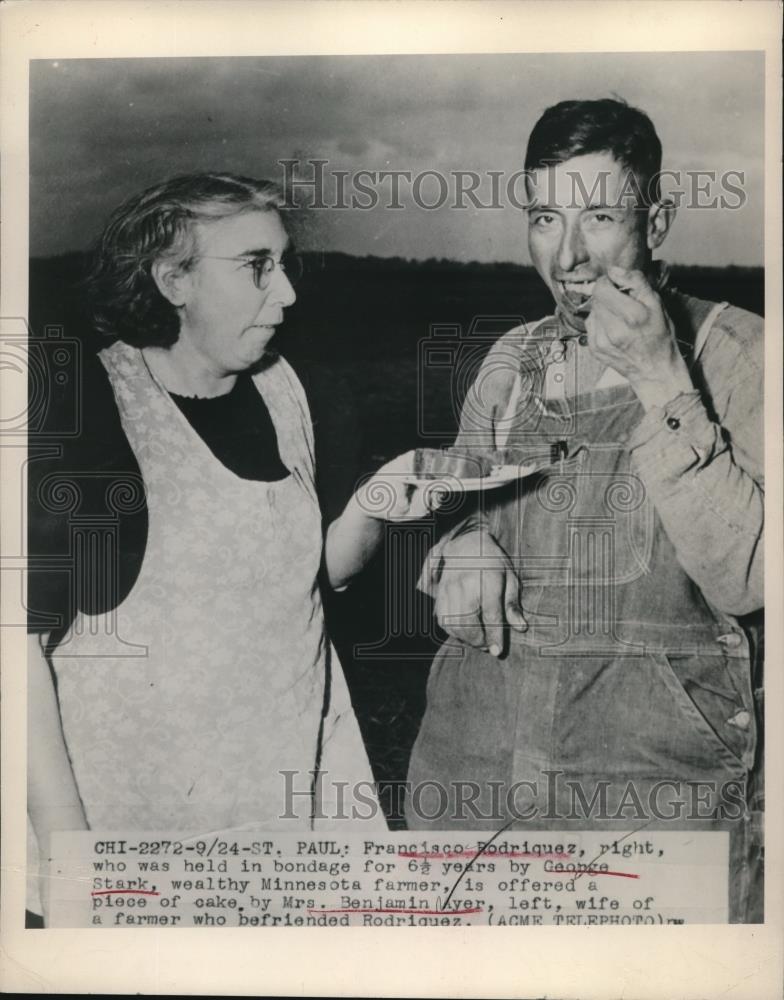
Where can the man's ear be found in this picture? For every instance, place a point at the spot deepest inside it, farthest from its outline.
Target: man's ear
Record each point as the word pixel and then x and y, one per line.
pixel 169 279
pixel 661 216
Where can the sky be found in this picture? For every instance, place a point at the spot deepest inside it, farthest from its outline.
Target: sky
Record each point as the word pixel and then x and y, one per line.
pixel 102 129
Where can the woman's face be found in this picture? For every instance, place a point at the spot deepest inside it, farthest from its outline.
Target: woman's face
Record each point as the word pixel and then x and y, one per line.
pixel 224 318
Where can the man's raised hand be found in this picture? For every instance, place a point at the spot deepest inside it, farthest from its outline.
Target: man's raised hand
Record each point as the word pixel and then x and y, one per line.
pixel 629 329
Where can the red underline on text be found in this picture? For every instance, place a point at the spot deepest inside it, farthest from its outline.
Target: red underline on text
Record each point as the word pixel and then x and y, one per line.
pixel 119 892
pixel 591 871
pixel 396 909
pixel 488 855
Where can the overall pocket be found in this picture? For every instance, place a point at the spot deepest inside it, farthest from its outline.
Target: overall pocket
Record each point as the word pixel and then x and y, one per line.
pixel 712 696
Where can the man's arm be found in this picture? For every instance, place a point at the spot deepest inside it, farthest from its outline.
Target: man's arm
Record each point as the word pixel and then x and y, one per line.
pixel 708 492
pixel 704 472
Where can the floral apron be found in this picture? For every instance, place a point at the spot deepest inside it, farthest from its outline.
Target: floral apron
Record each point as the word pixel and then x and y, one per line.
pixel 229 678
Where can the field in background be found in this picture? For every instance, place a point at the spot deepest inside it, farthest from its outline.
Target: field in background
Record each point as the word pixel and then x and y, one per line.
pixel 357 336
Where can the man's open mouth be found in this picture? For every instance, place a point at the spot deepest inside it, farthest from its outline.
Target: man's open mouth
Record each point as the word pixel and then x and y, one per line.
pixel 577 293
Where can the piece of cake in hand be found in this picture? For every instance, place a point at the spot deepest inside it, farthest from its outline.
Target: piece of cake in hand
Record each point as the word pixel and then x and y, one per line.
pixel 436 463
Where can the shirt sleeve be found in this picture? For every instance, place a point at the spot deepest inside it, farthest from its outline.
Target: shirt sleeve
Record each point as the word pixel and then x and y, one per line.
pixel 701 460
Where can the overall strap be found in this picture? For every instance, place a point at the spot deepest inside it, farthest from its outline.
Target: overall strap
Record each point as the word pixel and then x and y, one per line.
pixel 503 427
pixel 705 329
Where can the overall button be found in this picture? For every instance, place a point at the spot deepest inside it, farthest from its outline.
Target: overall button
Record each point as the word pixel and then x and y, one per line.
pixel 742 720
pixel 731 640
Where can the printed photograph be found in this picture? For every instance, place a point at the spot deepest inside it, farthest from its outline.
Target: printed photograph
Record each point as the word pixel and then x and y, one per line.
pixel 396 470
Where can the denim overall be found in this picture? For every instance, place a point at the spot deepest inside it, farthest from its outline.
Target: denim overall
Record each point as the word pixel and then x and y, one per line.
pixel 626 685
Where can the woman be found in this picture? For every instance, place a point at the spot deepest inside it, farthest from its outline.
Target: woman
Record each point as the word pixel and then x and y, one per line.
pixel 191 679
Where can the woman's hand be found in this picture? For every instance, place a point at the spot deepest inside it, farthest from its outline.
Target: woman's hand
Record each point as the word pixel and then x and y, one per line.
pixel 388 495
pixel 355 536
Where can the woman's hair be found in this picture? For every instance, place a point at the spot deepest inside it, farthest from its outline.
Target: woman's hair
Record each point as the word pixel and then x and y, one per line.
pixel 124 298
pixel 575 128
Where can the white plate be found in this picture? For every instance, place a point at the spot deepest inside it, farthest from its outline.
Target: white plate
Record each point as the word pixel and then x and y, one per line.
pixel 500 476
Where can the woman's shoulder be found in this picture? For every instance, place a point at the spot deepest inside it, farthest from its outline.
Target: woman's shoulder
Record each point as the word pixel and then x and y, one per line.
pixel 83 454
pixel 275 366
pixel 81 471
pixel 102 436
pixel 278 377
pixel 76 408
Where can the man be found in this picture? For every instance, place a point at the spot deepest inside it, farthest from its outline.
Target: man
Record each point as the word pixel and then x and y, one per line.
pixel 604 679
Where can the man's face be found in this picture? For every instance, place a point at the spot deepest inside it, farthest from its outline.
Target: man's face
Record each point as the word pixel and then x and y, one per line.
pixel 583 218
pixel 226 319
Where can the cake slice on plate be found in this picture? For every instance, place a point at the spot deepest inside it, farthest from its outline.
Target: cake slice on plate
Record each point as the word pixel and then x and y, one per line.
pixel 435 463
pixel 438 463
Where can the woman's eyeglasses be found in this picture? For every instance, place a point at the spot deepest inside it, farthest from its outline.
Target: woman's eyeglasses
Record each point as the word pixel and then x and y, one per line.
pixel 263 267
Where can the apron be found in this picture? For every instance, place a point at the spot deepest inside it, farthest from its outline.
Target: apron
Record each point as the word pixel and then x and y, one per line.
pixel 229 678
pixel 627 684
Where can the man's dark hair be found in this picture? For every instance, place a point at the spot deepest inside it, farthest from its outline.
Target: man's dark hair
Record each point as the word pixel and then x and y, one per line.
pixel 576 128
